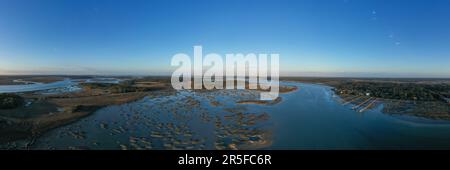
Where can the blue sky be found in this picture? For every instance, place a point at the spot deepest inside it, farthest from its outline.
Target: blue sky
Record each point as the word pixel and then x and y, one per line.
pixel 382 38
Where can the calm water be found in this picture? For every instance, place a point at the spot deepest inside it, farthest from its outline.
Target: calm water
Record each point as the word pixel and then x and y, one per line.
pixel 67 83
pixel 309 118
pixel 312 119
pixel 35 87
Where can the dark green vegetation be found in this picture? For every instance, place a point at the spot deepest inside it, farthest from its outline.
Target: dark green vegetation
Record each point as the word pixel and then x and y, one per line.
pixel 10 101
pixel 400 91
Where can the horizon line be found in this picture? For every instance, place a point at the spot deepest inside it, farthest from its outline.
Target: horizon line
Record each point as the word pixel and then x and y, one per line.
pixel 284 76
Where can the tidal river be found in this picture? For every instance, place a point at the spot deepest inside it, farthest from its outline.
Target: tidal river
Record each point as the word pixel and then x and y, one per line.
pixel 35 86
pixel 309 118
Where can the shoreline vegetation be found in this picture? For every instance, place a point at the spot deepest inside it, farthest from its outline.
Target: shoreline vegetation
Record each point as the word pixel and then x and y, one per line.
pixel 282 90
pixel 27 115
pixel 67 110
pixel 10 101
pixel 261 102
pixel 421 97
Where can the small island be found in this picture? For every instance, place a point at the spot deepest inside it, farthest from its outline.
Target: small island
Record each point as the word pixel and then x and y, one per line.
pixel 261 102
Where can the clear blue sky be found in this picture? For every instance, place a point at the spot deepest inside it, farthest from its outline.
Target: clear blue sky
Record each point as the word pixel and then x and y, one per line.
pixel 382 38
